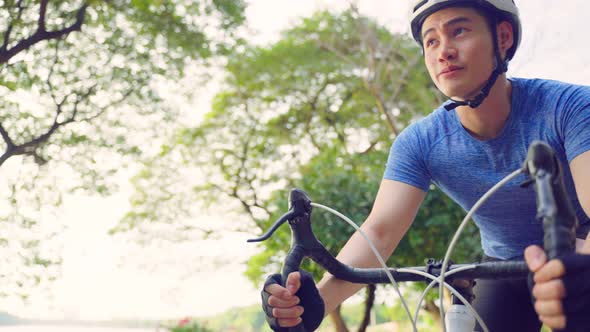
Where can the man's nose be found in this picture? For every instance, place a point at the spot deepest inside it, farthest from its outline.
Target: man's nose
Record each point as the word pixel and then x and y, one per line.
pixel 447 51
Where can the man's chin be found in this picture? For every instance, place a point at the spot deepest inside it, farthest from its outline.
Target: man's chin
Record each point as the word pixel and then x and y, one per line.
pixel 461 92
pixel 455 93
pixel 459 96
pixel 455 96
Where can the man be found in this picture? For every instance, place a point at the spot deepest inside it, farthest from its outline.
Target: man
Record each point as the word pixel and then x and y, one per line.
pixel 465 147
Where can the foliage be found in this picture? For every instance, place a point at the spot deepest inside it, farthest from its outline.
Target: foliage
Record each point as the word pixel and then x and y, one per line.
pixel 346 183
pixel 282 104
pixel 188 325
pixel 80 98
pixel 251 319
pixel 80 60
pixel 246 319
pixel 316 110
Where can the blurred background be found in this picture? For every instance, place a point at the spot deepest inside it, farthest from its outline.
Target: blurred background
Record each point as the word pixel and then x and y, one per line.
pixel 144 141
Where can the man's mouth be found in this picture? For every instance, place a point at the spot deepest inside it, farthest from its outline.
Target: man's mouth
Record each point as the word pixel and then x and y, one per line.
pixel 450 69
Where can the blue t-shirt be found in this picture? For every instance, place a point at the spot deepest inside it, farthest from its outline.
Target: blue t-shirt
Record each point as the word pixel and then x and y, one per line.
pixel 438 149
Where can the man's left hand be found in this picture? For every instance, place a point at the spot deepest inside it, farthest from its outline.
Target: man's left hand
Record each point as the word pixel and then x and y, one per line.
pixel 549 290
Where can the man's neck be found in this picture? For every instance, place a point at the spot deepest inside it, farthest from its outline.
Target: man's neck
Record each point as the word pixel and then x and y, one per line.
pixel 487 121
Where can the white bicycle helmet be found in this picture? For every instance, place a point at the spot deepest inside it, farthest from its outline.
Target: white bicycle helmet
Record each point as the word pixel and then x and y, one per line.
pixel 501 9
pixel 496 11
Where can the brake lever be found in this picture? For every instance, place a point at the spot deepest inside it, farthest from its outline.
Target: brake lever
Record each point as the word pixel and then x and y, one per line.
pixel 299 220
pixel 299 206
pixel 554 208
pixel 287 216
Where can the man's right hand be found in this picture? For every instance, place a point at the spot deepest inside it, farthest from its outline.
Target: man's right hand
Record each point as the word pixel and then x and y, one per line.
pixel 299 301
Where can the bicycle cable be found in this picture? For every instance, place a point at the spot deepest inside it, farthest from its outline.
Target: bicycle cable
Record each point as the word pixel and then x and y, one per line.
pixel 434 282
pixel 451 246
pixel 377 255
pixel 413 319
pixel 452 290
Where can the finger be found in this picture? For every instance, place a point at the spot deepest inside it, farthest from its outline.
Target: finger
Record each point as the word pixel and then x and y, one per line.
pixel 552 270
pixel 293 312
pixel 293 282
pixel 549 308
pixel 278 302
pixel 586 246
pixel 535 257
pixel 279 291
pixel 554 322
pixel 461 283
pixel 289 322
pixel 550 290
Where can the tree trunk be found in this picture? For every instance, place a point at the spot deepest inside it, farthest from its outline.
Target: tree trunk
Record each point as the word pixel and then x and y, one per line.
pixel 369 301
pixel 339 324
pixel 434 312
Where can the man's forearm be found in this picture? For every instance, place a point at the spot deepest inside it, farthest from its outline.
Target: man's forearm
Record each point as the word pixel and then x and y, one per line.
pixel 355 253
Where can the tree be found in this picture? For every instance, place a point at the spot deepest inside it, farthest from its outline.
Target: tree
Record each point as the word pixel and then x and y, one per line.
pixel 284 103
pixel 122 49
pixel 80 95
pixel 320 105
pixel 316 110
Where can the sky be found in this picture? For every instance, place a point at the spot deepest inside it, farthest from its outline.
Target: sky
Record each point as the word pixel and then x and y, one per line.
pixel 106 277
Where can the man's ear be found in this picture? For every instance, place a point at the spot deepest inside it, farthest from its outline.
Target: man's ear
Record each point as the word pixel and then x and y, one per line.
pixel 505 37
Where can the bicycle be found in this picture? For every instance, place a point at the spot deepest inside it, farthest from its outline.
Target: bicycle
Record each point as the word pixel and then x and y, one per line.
pixel 553 209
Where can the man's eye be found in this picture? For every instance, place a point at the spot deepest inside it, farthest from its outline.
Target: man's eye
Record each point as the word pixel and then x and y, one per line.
pixel 458 31
pixel 430 42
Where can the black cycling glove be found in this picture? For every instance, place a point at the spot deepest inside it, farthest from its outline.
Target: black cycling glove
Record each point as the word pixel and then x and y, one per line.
pixel 311 301
pixel 576 304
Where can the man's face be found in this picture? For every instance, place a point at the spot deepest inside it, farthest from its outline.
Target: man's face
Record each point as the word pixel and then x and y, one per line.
pixel 458 51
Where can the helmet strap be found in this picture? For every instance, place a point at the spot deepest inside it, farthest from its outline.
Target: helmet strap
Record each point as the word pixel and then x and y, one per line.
pixel 500 68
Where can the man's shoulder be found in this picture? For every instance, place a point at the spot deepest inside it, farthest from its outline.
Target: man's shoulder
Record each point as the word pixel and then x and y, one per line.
pixel 439 116
pixel 544 87
pixel 429 129
pixel 549 95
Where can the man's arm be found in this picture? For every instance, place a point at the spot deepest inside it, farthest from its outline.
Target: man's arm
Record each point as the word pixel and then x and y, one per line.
pixel 394 210
pixel 580 168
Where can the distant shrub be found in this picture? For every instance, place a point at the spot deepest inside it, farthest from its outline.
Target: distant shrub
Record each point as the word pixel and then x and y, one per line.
pixel 188 325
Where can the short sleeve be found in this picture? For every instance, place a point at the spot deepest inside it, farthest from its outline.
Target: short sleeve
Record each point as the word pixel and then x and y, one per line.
pixel 576 121
pixel 406 160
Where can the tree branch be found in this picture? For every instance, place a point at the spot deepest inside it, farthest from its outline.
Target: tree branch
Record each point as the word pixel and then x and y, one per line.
pixel 9 145
pixel 335 51
pixel 370 80
pixel 6 137
pixel 8 31
pixel 42 14
pixel 341 134
pixel 370 148
pixel 30 147
pixel 313 110
pixel 402 78
pixel 79 98
pixel 111 104
pixel 41 34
